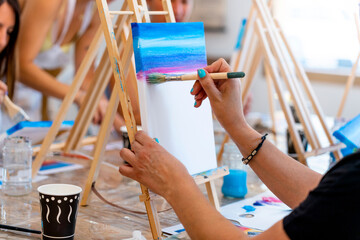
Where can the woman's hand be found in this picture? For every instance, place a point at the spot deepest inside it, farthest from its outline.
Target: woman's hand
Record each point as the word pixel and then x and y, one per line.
pixel 151 165
pixel 224 95
pixel 100 109
pixel 3 90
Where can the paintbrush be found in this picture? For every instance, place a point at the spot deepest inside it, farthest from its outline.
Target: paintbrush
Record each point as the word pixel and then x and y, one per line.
pixel 13 228
pixel 155 78
pixel 16 113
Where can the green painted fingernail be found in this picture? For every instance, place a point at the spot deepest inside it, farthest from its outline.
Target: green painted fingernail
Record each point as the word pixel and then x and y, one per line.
pixel 156 140
pixel 195 103
pixel 201 73
pixel 192 89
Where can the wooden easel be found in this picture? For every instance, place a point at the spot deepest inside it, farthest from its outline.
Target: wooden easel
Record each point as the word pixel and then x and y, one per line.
pixel 120 51
pixel 91 99
pixel 281 67
pixel 139 13
pixel 351 78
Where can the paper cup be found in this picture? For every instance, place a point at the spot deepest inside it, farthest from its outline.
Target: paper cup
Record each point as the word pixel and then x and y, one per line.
pixel 59 204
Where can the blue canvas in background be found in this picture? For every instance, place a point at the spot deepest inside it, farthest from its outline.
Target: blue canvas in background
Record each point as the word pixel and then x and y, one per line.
pixel 349 134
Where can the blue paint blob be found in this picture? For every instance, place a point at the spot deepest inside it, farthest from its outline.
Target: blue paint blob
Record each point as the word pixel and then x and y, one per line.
pixel 235 184
pixel 249 208
pixel 258 203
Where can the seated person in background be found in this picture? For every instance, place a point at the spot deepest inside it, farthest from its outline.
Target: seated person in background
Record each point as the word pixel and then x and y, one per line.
pixel 324 207
pixel 9 28
pixel 47 31
pixel 182 9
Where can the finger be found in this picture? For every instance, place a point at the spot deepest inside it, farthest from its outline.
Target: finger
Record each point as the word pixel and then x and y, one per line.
pixel 200 95
pixel 136 146
pixel 143 138
pixel 127 171
pixel 3 86
pixel 219 65
pixel 208 84
pixel 196 88
pixel 128 156
pixel 200 101
pixel 96 117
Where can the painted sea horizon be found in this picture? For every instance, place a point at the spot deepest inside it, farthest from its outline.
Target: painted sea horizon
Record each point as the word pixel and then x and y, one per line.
pixel 169 48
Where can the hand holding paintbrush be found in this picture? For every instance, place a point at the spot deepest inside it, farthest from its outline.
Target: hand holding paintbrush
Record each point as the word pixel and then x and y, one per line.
pixel 155 78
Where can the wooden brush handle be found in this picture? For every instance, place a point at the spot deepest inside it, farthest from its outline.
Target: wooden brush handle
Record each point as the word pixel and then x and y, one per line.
pixel 220 75
pixel 194 76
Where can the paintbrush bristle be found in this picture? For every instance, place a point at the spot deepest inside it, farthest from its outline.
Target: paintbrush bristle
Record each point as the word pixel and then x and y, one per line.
pixel 155 78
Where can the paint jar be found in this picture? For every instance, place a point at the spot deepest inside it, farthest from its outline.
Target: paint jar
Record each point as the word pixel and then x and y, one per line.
pixel 234 184
pixel 17 160
pixel 125 136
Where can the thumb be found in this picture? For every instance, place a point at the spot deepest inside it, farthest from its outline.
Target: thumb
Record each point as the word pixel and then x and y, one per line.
pixel 208 84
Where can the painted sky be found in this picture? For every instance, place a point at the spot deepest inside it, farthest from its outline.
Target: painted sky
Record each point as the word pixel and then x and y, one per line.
pixel 172 48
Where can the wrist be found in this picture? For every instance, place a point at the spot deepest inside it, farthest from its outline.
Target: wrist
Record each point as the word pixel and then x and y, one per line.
pixel 180 191
pixel 79 98
pixel 246 138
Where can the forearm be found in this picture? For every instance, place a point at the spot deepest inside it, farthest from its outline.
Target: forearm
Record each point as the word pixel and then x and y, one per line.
pixel 200 219
pixel 36 78
pixel 287 178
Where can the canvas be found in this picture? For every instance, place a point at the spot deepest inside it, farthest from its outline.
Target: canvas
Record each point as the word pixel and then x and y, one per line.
pixel 167 109
pixel 35 131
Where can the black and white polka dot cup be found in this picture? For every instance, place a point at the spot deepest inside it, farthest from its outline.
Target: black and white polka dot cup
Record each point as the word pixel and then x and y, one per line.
pixel 59 204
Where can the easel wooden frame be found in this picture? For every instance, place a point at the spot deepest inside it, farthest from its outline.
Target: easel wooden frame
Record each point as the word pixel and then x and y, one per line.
pixel 122 65
pixel 141 14
pixel 351 79
pixel 263 29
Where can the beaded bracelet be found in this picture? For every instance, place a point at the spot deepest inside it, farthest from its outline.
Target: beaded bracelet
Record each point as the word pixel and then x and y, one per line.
pixel 255 151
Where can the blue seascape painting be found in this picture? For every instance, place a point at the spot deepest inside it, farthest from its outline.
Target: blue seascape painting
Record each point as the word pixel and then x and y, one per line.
pixel 170 48
pixel 167 109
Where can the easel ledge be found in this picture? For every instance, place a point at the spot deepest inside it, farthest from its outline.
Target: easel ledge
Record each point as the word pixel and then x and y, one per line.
pixel 209 175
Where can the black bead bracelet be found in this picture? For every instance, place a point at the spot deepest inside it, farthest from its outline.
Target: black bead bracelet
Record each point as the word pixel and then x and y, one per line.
pixel 255 151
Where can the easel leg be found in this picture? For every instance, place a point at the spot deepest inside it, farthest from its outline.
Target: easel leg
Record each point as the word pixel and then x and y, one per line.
pixel 69 99
pixel 101 145
pixel 221 151
pixel 212 194
pixel 349 84
pixel 284 105
pixel 271 99
pixel 309 91
pixel 87 110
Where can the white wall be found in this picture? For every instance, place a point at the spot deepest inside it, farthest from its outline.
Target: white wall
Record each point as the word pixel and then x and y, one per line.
pixel 221 44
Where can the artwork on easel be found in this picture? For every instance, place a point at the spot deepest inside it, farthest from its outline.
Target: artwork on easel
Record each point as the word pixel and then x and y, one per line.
pixel 167 109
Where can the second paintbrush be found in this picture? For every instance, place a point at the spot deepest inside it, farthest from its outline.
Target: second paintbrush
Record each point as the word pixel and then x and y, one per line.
pixel 155 78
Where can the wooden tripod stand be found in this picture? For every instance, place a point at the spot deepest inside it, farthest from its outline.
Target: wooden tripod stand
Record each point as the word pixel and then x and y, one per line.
pixel 351 79
pixel 119 59
pixel 281 67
